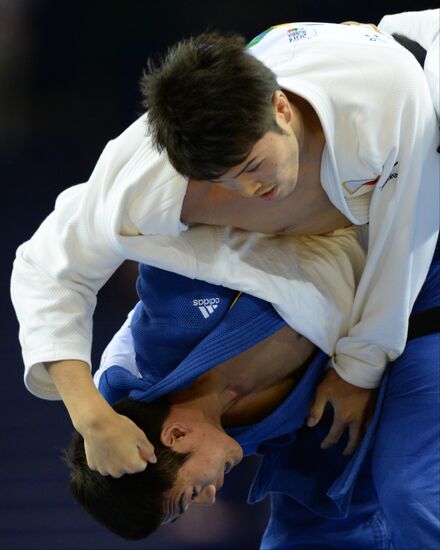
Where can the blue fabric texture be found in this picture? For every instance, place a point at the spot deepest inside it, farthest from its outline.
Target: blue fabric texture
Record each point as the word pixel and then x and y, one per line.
pixel 117 383
pixel 388 494
pixel 175 314
pixel 406 452
pixel 246 322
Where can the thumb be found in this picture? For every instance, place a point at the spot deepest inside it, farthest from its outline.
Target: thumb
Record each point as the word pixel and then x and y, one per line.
pixel 316 410
pixel 146 450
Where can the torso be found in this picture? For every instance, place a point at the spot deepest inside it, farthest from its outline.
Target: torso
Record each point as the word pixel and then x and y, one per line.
pixel 257 406
pixel 261 389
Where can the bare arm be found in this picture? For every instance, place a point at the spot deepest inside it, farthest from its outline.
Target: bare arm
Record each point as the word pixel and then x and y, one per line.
pixel 75 385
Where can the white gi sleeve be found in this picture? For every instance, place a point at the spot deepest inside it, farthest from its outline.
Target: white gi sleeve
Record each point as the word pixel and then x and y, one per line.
pixel 403 230
pixel 56 277
pixel 129 209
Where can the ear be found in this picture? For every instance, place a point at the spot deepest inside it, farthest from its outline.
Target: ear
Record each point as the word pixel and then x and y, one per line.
pixel 173 434
pixel 282 106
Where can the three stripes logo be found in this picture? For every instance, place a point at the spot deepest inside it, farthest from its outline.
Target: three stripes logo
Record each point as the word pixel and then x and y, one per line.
pixel 206 306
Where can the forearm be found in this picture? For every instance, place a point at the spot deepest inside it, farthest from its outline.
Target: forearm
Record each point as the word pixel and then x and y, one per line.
pixel 74 383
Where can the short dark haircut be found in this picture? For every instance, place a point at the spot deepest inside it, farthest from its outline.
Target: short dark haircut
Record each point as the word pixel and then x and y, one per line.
pixel 132 505
pixel 208 103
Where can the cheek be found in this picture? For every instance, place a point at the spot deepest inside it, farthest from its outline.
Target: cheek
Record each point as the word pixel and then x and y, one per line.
pixel 270 169
pixel 287 164
pixel 274 170
pixel 209 460
pixel 225 185
pixel 280 160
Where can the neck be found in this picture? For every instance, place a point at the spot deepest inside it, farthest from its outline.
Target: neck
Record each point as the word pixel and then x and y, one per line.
pixel 209 397
pixel 311 134
pixel 299 119
pixel 311 142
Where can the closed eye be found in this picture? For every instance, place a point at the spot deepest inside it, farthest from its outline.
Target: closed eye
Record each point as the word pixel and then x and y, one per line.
pixel 253 168
pixel 247 170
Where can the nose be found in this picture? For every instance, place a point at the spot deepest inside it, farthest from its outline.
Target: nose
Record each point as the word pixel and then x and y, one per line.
pixel 248 188
pixel 206 497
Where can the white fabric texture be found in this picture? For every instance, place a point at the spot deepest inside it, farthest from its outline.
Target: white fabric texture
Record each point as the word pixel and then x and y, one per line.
pixel 422 27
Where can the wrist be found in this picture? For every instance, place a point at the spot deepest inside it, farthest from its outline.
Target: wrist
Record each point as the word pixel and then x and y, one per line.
pixel 84 403
pixel 90 413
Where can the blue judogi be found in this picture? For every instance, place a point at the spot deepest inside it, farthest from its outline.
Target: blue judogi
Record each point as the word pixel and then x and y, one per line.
pixel 388 490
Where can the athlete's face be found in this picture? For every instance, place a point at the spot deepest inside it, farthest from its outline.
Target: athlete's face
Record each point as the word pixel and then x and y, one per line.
pixel 270 171
pixel 214 454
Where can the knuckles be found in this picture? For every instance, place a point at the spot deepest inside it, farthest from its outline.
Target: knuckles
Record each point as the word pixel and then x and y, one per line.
pixel 344 418
pixel 131 468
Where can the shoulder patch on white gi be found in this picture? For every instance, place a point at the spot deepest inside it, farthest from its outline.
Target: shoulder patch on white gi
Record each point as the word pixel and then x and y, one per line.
pixel 260 36
pixel 359 187
pixel 300 32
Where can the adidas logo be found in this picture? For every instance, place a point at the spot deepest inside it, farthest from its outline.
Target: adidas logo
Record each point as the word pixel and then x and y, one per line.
pixel 207 311
pixel 206 306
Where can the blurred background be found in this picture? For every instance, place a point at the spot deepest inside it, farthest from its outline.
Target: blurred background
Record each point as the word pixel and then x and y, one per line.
pixel 69 75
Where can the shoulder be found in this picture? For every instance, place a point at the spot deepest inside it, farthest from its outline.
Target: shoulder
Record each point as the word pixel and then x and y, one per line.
pixel 326 49
pixel 307 35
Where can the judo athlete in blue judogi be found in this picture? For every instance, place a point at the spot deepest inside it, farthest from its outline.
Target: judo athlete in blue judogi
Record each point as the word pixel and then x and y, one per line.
pixel 386 496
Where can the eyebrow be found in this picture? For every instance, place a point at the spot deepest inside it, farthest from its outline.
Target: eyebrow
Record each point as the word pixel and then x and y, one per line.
pixel 245 167
pixel 181 508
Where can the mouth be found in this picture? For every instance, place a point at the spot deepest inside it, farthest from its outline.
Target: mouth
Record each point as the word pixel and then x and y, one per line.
pixel 269 195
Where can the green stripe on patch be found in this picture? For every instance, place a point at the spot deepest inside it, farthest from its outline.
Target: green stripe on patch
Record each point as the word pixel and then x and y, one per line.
pixel 258 38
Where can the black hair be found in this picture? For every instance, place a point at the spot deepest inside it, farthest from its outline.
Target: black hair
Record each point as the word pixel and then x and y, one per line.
pixel 209 102
pixel 130 506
